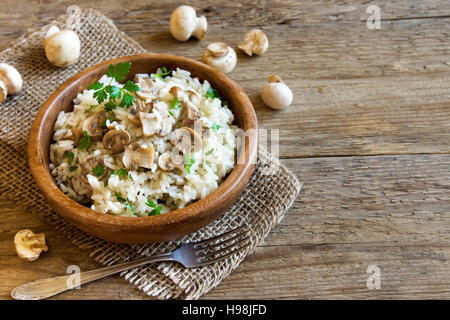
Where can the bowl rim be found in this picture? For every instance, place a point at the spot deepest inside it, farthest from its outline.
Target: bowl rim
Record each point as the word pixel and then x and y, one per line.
pixel 197 209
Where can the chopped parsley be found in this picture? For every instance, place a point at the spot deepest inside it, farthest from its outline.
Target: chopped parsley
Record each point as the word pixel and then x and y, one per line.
pixel 188 162
pixel 215 127
pixel 73 168
pixel 115 93
pixel 163 74
pixel 122 172
pixel 126 202
pixel 213 93
pixel 156 209
pixel 99 170
pixel 175 103
pixel 210 152
pixel 70 157
pixel 85 141
pixel 208 162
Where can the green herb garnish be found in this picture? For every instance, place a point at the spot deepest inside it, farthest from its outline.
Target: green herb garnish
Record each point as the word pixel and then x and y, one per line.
pixel 85 141
pixel 115 93
pixel 209 152
pixel 175 103
pixel 99 170
pixel 215 127
pixel 156 209
pixel 208 162
pixel 73 168
pixel 124 201
pixel 163 74
pixel 213 93
pixel 188 162
pixel 122 172
pixel 70 157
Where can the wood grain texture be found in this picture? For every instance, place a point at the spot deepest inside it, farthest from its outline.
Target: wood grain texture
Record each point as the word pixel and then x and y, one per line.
pixel 368 134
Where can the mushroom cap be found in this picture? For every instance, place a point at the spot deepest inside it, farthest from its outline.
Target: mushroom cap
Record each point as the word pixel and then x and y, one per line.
pixel 75 136
pixel 135 156
pixel 93 125
pixel 3 91
pixel 87 166
pixel 165 162
pixel 255 41
pixel 276 94
pixel 62 48
pixel 186 140
pixel 184 23
pixel 11 79
pixel 151 124
pixel 220 56
pixel 116 140
pixel 148 89
pixel 29 245
pixel 170 160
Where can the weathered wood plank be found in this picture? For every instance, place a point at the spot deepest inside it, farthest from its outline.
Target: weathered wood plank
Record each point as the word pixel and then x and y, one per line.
pixel 353 212
pixel 357 91
pixel 139 15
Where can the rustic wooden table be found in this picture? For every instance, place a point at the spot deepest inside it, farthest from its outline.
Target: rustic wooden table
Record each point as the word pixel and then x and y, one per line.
pixel 368 134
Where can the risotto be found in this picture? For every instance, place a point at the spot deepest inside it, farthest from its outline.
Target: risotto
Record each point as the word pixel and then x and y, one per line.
pixel 144 147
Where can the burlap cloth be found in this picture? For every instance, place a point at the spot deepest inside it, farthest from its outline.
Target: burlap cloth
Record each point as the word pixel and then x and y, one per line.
pixel 271 190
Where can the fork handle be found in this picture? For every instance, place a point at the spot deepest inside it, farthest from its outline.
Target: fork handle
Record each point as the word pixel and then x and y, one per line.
pixel 44 288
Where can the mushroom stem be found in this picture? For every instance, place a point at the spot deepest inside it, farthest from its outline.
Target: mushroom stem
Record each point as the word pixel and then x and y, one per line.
pixel 3 91
pixel 200 28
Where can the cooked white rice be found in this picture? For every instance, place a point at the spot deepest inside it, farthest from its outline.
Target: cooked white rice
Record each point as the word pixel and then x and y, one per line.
pixel 169 189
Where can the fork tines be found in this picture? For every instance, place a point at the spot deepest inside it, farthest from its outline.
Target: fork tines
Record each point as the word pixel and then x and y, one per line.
pixel 222 246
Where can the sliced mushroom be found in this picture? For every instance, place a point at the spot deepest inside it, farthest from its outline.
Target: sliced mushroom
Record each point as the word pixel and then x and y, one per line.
pixel 75 136
pixel 186 140
pixel 29 245
pixel 168 161
pixel 93 125
pixel 139 106
pixel 148 88
pixel 190 102
pixel 135 156
pixel 88 166
pixel 166 126
pixel 116 140
pixel 151 124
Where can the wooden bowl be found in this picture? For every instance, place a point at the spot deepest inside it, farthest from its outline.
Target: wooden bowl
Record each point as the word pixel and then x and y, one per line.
pixel 159 228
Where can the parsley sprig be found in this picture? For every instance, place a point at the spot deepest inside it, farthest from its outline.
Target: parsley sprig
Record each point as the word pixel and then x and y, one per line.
pixel 213 93
pixel 85 141
pixel 118 97
pixel 188 162
pixel 156 209
pixel 99 170
pixel 163 74
pixel 126 201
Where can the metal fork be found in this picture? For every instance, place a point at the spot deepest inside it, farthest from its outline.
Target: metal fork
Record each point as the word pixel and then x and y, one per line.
pixel 190 255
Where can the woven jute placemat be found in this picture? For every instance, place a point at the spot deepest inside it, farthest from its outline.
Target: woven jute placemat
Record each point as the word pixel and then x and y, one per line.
pixel 269 194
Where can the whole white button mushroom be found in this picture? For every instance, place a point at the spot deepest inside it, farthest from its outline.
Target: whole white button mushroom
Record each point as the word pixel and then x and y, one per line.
pixel 10 81
pixel 276 94
pixel 255 42
pixel 62 47
pixel 220 56
pixel 184 23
